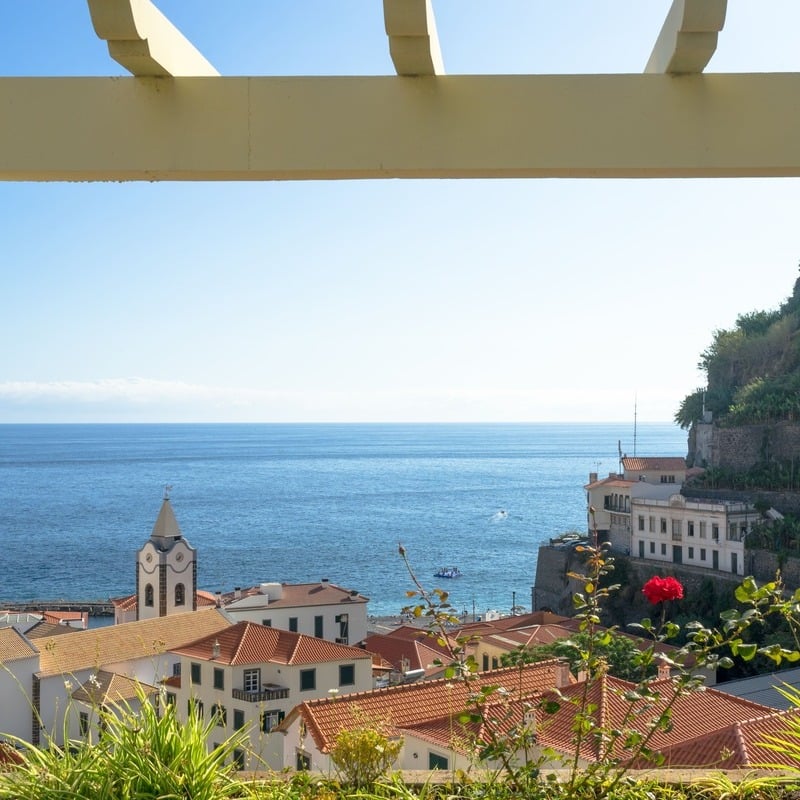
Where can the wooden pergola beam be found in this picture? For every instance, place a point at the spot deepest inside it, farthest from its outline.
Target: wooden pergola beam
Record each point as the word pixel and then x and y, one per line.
pixel 460 126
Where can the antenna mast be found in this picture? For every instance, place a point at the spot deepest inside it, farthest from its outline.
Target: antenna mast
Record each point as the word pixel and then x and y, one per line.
pixel 635 411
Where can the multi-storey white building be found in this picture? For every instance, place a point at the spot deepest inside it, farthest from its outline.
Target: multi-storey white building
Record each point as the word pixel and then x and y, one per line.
pixel 250 676
pixel 611 497
pixel 702 533
pixel 318 609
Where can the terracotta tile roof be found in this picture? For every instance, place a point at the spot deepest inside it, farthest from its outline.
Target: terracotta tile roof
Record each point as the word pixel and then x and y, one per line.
pixel 740 745
pixel 419 705
pixel 42 630
pixel 14 646
pixel 131 640
pixel 251 643
pixel 128 603
pixel 420 652
pixel 694 715
pixel 663 464
pixel 617 482
pixel 65 616
pixel 106 688
pixel 174 681
pixel 295 595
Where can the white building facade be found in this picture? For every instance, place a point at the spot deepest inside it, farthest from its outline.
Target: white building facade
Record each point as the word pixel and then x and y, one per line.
pixel 321 609
pixel 251 676
pixel 701 533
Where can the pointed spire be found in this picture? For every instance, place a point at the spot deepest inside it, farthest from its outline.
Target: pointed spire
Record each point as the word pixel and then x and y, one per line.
pixel 166 526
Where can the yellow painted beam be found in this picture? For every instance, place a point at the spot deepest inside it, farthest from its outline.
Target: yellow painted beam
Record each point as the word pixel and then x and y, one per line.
pixel 413 40
pixel 459 126
pixel 688 38
pixel 144 41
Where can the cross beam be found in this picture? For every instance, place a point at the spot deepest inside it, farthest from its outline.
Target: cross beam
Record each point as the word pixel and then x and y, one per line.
pixel 459 126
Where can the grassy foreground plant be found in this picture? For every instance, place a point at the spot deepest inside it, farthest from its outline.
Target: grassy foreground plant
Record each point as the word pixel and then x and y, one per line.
pixel 139 755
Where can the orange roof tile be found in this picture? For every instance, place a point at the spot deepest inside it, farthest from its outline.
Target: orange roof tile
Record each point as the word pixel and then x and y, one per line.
pixel 739 745
pixel 664 464
pixel 105 687
pixel 693 715
pixel 14 646
pixel 416 704
pixel 420 652
pixel 297 595
pixel 96 647
pixel 251 643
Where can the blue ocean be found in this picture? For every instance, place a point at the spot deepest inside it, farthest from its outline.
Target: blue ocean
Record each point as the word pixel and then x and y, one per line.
pixel 300 502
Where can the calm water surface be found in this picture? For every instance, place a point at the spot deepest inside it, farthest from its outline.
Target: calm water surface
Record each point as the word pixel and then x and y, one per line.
pixel 300 502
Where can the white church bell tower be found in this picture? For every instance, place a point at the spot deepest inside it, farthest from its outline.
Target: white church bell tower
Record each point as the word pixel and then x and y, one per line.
pixel 166 569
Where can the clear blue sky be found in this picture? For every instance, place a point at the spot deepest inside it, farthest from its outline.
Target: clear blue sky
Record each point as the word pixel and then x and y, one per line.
pixel 383 300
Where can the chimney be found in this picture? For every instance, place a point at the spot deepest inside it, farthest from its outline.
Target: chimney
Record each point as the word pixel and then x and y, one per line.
pixel 663 670
pixel 529 719
pixel 215 649
pixel 592 477
pixel 237 592
pixel 324 581
pixel 562 675
pixel 219 598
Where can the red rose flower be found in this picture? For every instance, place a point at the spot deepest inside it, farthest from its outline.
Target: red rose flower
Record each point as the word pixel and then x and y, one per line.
pixel 658 589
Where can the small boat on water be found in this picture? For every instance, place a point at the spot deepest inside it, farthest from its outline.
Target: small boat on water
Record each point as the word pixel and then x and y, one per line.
pixel 448 572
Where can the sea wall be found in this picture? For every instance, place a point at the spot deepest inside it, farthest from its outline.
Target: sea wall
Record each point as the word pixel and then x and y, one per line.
pixel 741 447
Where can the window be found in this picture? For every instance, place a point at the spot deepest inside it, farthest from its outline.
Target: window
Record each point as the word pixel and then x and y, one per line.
pixel 219 678
pixel 176 668
pixel 270 719
pixel 267 623
pixel 690 528
pixel 344 625
pixel 195 676
pixel 171 698
pixel 293 624
pixel 663 548
pixel 318 627
pixel 148 595
pixel 195 706
pixel 180 594
pixel 691 552
pixel 676 527
pixel 252 680
pixel 651 524
pixel 485 662
pixel 83 723
pixel 702 530
pixel 238 719
pixel 732 532
pixel 667 479
pixel 652 547
pixel 495 663
pixel 714 531
pixel 663 525
pixel 435 761
pixel 308 680
pixel 347 674
pixel 641 522
pixel 220 715
pixel 702 554
pixel 238 758
pixel 302 762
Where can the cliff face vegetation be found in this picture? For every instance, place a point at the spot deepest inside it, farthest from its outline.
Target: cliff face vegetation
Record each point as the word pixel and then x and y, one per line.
pixel 752 370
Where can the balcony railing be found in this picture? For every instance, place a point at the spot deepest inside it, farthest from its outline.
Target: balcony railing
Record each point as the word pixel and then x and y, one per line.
pixel 266 693
pixel 677 537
